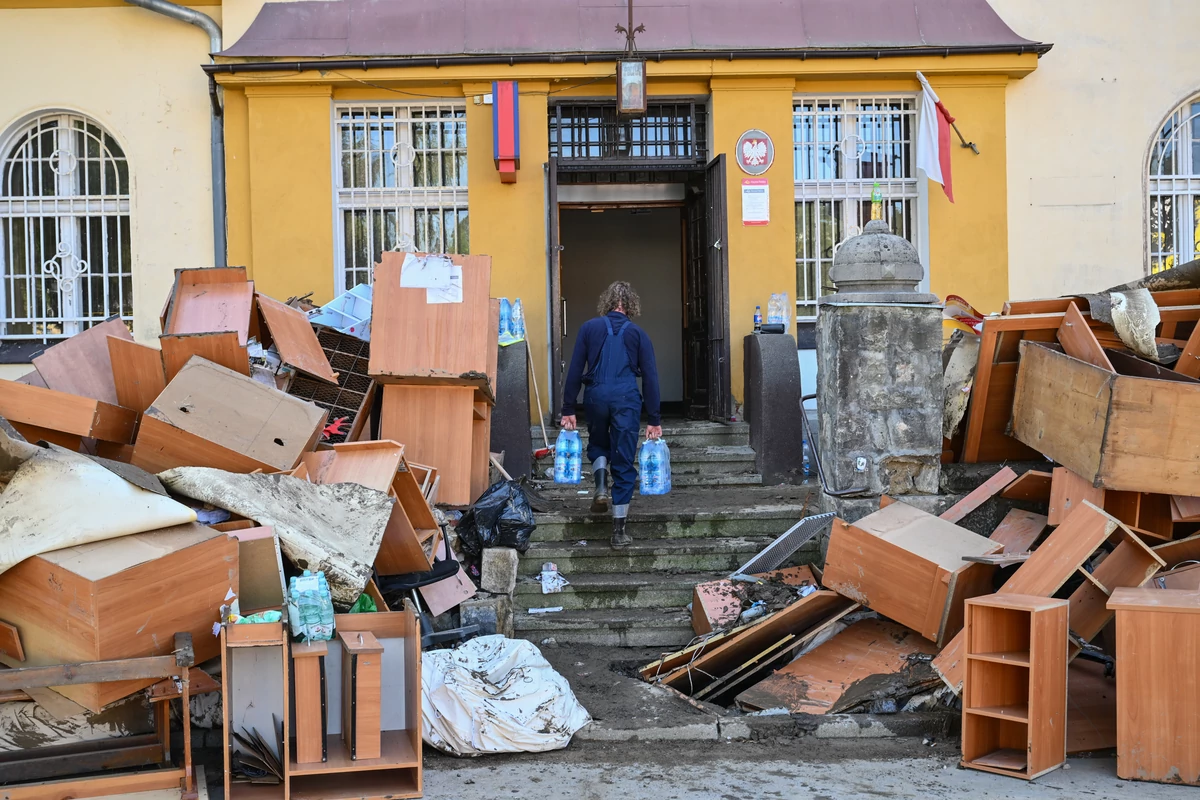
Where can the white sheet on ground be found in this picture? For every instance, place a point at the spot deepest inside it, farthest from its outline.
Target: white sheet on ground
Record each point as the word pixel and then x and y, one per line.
pixel 496 695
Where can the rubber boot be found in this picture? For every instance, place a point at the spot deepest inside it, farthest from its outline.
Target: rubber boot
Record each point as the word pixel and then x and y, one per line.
pixel 600 498
pixel 620 539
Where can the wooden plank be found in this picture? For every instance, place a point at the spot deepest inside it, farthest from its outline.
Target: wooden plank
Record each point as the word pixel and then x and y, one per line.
pixel 219 348
pixel 411 338
pixel 1130 564
pixel 1078 341
pixel 1128 364
pixel 81 365
pixel 1042 574
pixel 118 785
pixel 137 372
pixel 1180 550
pixel 979 495
pixel 899 560
pixel 1189 507
pixel 211 300
pixel 10 641
pixel 1019 530
pixel 199 682
pixel 817 682
pixel 23 404
pixel 1033 486
pixel 294 338
pixel 131 669
pixel 434 424
pixel 1067 491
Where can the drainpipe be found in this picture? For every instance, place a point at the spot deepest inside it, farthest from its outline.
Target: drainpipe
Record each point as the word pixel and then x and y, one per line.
pixel 209 26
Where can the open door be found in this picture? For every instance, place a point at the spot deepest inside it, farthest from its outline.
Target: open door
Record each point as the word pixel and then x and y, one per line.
pixel 695 303
pixel 720 401
pixel 554 268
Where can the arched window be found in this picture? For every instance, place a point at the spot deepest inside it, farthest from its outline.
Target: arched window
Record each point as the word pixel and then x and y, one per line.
pixel 1174 189
pixel 65 261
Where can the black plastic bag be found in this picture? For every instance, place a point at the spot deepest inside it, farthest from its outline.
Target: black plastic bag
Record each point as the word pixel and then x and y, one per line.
pixel 501 517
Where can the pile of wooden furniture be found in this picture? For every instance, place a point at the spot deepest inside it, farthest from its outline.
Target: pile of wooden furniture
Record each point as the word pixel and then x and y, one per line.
pixel 243 385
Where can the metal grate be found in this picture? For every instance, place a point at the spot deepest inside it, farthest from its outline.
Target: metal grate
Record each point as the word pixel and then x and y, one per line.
pixel 348 356
pixel 65 252
pixel 843 147
pixel 776 554
pixel 590 135
pixel 401 183
pixel 1174 190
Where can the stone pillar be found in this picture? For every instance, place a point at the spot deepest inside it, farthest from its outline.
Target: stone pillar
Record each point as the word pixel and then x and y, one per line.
pixel 879 370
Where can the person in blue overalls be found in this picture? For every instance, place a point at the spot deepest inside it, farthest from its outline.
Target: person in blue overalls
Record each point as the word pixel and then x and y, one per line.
pixel 616 353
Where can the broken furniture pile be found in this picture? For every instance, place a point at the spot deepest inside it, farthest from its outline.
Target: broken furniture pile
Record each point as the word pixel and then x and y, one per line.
pixel 176 490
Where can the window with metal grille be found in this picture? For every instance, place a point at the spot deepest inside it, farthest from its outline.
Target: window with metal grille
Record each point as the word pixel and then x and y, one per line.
pixel 844 148
pixel 1174 189
pixel 400 183
pixel 589 133
pixel 65 260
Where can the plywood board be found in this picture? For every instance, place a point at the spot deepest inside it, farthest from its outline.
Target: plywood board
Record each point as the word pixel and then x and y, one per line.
pixel 294 338
pixel 1067 491
pixel 219 348
pixel 235 413
pixel 211 300
pixel 81 365
pixel 899 561
pixel 1130 564
pixel 1078 341
pixel 137 372
pixel 412 339
pixel 1019 530
pixel 161 446
pixel 831 674
pixel 1188 507
pixel 1033 486
pixel 434 425
pixel 23 404
pixel 980 495
pixel 1180 550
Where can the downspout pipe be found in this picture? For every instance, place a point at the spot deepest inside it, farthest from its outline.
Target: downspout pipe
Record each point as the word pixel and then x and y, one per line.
pixel 209 26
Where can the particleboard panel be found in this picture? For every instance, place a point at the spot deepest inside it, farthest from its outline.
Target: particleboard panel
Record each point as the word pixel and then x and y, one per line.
pixel 1180 550
pixel 434 425
pixel 1149 514
pixel 493 358
pixel 211 300
pixel 1019 530
pixel 1131 563
pixel 1091 708
pixel 980 495
pixel 294 338
pixel 415 340
pixel 219 348
pixel 371 464
pixel 1117 431
pixel 23 404
pixel 90 603
pixel 1033 485
pixel 1188 508
pixel 32 379
pixel 827 677
pixel 799 619
pixel 1158 687
pixel 1043 574
pixel 137 373
pixel 716 604
pixel 234 413
pixel 161 446
pixel 33 433
pixel 81 365
pixel 1189 359
pixel 1067 491
pixel 908 566
pixel 1078 341
pixel 261 582
pixel 10 641
pixel 481 438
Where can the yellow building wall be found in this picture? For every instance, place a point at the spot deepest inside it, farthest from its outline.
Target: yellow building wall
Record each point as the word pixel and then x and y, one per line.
pixel 138 74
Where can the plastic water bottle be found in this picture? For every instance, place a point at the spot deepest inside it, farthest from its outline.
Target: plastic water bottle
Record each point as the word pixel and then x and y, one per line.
pixel 758 319
pixel 505 333
pixel 655 464
pixel 310 607
pixel 806 464
pixel 518 321
pixel 773 309
pixel 568 467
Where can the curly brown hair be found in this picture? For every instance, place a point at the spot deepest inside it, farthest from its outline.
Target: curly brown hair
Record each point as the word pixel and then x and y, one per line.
pixel 619 293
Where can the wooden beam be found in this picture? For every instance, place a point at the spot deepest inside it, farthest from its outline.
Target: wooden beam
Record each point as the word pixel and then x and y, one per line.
pixel 980 495
pixel 1078 341
pixel 126 669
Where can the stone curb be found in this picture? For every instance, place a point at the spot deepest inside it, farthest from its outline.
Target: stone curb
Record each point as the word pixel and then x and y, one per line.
pixel 934 725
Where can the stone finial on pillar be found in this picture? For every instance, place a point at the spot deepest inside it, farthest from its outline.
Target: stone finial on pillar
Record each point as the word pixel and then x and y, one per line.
pixel 879 344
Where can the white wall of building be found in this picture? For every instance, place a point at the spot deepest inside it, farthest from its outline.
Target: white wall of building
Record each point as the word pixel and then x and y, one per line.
pixel 1079 129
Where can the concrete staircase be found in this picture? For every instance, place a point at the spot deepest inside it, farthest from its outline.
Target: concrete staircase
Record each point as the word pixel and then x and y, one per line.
pixel 717 516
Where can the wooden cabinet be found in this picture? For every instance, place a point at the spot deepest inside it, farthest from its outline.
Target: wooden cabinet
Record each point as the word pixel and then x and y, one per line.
pixel 1158 692
pixel 309 719
pixel 1015 688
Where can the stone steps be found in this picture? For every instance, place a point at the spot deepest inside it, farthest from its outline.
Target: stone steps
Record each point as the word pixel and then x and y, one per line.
pixel 613 591
pixel 677 434
pixel 773 520
pixel 654 627
pixel 648 555
pixel 711 465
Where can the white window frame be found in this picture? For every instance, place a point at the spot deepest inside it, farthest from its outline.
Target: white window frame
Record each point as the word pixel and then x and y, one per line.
pixel 1173 189
pixel 850 190
pixel 91 191
pixel 376 183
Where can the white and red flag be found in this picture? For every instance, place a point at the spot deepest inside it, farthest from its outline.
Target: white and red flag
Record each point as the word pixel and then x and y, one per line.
pixel 933 138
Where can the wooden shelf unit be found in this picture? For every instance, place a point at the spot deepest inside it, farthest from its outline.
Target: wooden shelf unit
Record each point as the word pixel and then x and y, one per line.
pixel 254 693
pixel 1015 687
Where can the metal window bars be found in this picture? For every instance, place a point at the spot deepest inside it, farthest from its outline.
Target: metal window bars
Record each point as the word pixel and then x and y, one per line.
pixel 1173 188
pixel 65 244
pixel 589 134
pixel 844 147
pixel 400 183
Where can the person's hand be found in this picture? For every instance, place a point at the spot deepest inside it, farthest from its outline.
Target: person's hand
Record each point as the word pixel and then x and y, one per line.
pixel 654 431
pixel 567 423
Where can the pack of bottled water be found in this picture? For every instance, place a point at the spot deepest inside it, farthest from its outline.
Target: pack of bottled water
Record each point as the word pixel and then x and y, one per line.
pixel 777 310
pixel 512 322
pixel 568 457
pixel 654 464
pixel 310 607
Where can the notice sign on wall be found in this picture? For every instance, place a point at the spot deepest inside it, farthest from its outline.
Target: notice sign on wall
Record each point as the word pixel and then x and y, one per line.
pixel 756 201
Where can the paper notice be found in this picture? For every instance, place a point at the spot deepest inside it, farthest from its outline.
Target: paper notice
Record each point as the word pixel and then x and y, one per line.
pixel 425 272
pixel 450 294
pixel 756 201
